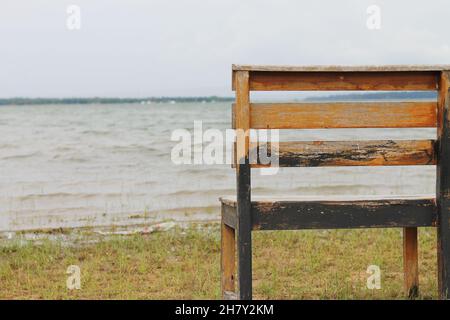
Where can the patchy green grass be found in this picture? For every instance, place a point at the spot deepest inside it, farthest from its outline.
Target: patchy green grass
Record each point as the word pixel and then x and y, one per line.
pixel 184 264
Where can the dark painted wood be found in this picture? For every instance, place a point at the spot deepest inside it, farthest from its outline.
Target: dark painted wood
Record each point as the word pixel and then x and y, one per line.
pixel 292 215
pixel 244 229
pixel 229 216
pixel 443 188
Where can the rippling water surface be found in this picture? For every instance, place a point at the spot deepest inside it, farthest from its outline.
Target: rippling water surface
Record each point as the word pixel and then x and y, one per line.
pixel 89 165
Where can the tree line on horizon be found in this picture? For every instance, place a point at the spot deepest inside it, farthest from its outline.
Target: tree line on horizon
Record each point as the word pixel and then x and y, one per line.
pixel 99 100
pixel 412 95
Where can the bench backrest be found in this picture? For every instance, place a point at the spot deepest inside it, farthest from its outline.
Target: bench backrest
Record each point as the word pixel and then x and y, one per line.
pixel 392 114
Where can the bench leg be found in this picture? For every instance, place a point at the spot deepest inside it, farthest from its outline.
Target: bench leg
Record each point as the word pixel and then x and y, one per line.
pixel 228 261
pixel 245 265
pixel 443 186
pixel 411 262
pixel 443 254
pixel 244 232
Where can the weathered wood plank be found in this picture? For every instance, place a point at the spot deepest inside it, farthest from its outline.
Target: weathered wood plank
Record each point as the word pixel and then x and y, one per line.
pixel 340 212
pixel 347 153
pixel 242 115
pixel 291 215
pixel 339 68
pixel 244 226
pixel 229 216
pixel 411 262
pixel 443 187
pixel 230 200
pixel 228 258
pixel 343 81
pixel 415 114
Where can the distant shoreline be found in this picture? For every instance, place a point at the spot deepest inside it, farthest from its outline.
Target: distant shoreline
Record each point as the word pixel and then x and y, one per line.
pixel 411 95
pixel 98 100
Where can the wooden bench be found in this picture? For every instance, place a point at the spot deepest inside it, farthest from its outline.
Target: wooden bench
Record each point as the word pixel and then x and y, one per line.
pixel 243 214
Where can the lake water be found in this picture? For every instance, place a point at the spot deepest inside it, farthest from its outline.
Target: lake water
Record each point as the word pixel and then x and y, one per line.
pixel 93 165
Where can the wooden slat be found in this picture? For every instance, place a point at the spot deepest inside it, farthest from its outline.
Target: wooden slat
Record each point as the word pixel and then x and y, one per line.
pixel 343 81
pixel 242 115
pixel 230 200
pixel 340 68
pixel 340 212
pixel 347 153
pixel 415 114
pixel 336 215
pixel 443 187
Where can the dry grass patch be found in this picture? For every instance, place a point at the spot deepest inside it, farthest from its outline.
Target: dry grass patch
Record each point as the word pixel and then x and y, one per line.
pixel 184 264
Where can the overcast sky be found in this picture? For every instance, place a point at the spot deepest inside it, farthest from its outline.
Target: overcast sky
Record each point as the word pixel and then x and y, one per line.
pixel 186 47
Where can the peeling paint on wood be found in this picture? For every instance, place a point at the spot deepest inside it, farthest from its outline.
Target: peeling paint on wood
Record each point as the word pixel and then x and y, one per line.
pixel 338 215
pixel 350 153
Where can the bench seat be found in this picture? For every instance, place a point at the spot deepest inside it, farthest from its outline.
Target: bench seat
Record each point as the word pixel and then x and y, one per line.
pixel 335 212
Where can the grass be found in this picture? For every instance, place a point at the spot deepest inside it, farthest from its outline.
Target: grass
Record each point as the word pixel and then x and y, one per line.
pixel 184 264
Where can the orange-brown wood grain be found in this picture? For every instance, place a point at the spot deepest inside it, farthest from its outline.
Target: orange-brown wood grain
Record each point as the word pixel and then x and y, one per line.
pixel 411 261
pixel 415 114
pixel 344 81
